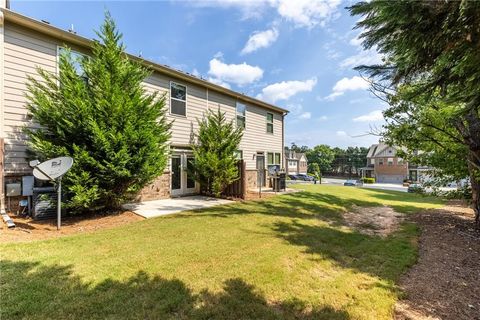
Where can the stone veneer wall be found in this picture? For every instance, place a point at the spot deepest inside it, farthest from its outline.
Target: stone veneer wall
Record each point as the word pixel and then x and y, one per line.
pixel 158 189
pixel 251 179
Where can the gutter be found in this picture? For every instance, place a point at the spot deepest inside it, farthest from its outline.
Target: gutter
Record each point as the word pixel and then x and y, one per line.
pixel 86 43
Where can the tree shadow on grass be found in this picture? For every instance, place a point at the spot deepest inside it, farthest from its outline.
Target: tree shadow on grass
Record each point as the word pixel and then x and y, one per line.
pixel 383 257
pixel 35 291
pixel 301 205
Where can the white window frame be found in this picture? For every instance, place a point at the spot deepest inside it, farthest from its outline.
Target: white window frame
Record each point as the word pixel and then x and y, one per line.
pixel 244 116
pixel 186 100
pixel 267 123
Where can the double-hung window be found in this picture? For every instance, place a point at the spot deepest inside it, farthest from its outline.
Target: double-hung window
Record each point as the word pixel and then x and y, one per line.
pixel 241 115
pixel 269 119
pixel 178 99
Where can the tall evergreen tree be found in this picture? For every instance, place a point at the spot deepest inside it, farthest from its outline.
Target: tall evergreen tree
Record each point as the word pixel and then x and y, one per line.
pixel 430 77
pixel 97 111
pixel 214 148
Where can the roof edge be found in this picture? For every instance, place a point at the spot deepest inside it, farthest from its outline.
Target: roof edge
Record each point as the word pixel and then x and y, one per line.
pixel 81 41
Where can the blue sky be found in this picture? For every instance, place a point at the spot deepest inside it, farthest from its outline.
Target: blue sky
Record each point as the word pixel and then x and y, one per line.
pixel 296 54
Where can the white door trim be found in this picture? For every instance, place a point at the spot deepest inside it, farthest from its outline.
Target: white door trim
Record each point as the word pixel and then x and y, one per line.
pixel 183 190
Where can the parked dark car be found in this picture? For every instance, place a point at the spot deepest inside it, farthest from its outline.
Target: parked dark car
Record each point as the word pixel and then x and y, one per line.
pixel 304 177
pixel 292 177
pixel 353 183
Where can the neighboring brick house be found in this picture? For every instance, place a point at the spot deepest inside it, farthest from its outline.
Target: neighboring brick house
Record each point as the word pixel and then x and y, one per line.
pixel 385 166
pixel 26 44
pixel 295 162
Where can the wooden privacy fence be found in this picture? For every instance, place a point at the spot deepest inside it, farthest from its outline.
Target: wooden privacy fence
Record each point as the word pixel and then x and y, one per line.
pixel 238 189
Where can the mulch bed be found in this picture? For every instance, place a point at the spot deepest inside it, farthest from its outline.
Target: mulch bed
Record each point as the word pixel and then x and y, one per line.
pixel 29 230
pixel 445 283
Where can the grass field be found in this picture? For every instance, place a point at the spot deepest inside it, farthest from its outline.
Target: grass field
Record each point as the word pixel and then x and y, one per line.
pixel 285 257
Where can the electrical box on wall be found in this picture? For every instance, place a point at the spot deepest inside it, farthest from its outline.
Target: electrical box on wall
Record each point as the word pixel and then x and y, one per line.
pixel 13 189
pixel 27 185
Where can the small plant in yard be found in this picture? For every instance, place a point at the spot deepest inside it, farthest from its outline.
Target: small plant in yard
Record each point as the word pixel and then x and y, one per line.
pixel 215 162
pixel 368 180
pixel 97 111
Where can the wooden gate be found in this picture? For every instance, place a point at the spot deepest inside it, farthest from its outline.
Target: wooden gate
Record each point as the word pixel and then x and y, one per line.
pixel 238 189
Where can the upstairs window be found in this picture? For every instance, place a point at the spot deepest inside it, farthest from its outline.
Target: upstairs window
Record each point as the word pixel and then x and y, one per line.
pixel 390 161
pixel 76 57
pixel 241 113
pixel 178 99
pixel 380 161
pixel 269 122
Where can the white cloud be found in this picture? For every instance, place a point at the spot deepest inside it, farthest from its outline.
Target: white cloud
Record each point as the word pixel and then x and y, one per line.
pixel 219 82
pixel 305 115
pixel 260 39
pixel 303 13
pixel 347 84
pixel 286 89
pixel 240 74
pixel 296 110
pixel 307 13
pixel 356 42
pixel 341 134
pixel 322 118
pixel 367 57
pixel 370 117
pixel 196 73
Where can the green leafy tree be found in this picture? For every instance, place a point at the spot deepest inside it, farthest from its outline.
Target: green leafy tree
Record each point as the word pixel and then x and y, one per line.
pixel 215 162
pixel 322 155
pixel 295 148
pixel 430 77
pixel 104 119
pixel 314 169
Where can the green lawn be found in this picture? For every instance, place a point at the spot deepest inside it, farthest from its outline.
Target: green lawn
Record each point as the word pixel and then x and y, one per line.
pixel 282 258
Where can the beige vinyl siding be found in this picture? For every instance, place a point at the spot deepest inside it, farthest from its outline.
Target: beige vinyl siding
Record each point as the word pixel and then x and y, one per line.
pixel 25 50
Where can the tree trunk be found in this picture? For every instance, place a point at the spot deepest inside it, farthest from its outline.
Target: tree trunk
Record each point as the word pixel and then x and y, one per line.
pixel 475 182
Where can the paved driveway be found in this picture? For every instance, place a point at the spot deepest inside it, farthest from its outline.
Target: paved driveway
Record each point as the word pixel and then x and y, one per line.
pixel 156 208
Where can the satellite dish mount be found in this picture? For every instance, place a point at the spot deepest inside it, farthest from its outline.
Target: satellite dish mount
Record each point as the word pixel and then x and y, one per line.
pixel 53 170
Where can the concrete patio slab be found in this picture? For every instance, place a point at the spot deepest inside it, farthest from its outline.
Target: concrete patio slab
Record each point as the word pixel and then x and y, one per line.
pixel 157 208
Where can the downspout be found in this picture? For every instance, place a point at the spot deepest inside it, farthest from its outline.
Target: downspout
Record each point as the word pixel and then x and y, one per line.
pixel 3 4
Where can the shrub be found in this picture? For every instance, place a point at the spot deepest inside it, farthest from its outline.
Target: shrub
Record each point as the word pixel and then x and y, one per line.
pixel 368 180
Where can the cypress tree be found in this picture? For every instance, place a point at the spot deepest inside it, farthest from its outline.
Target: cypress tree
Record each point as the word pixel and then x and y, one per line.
pixel 215 162
pixel 97 111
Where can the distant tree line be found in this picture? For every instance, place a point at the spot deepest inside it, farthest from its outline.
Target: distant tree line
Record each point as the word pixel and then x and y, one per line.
pixel 333 161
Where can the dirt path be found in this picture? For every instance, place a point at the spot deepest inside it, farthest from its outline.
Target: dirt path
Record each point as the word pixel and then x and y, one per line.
pixel 445 283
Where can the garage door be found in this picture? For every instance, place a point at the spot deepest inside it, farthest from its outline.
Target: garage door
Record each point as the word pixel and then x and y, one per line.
pixel 390 178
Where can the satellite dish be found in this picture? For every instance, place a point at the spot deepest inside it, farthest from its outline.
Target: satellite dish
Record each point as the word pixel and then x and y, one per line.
pixel 53 168
pixel 50 170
